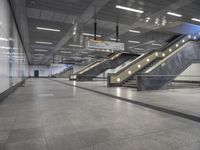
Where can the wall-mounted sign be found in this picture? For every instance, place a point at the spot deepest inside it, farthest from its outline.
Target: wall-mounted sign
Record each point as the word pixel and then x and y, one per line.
pixel 105 45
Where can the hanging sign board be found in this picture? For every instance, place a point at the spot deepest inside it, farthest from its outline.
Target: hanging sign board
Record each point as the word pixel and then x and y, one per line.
pixel 105 45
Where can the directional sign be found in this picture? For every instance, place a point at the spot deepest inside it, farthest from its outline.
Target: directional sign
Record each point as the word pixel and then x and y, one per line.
pixel 105 45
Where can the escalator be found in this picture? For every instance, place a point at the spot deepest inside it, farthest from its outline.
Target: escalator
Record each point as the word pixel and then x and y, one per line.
pixel 144 72
pixel 163 73
pixel 93 70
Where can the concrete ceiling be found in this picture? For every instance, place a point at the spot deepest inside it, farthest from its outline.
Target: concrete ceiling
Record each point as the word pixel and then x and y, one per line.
pixel 66 15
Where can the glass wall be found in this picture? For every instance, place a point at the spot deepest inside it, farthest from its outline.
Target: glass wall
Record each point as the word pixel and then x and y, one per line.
pixel 13 62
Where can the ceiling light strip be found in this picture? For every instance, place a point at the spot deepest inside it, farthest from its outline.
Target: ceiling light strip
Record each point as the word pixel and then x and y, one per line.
pixel 174 14
pixel 129 9
pixel 40 42
pixel 48 29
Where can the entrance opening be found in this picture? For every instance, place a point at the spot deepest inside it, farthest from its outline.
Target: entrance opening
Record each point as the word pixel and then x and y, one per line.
pixel 36 73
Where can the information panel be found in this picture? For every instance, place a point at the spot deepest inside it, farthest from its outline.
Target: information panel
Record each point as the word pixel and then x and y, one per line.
pixel 105 45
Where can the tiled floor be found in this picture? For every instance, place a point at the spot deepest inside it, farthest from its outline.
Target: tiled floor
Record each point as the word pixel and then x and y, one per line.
pixel 185 100
pixel 46 115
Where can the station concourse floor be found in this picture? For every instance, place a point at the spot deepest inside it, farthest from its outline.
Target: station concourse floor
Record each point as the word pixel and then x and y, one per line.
pixel 47 115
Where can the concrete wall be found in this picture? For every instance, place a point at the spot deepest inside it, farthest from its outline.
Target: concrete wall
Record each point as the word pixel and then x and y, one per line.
pixel 13 61
pixel 192 73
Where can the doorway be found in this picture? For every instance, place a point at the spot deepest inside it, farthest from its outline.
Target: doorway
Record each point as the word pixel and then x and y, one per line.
pixel 36 73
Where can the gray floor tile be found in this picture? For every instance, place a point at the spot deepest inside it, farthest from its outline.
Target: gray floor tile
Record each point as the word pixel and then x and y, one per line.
pixel 27 145
pixel 25 134
pixel 193 146
pixel 74 119
pixel 4 136
pixel 65 142
pixel 6 123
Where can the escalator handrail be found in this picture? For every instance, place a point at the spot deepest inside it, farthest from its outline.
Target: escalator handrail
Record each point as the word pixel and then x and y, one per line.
pixel 85 67
pixel 173 42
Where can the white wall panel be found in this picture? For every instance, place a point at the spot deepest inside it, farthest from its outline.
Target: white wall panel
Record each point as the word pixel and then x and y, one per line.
pixel 192 73
pixel 13 63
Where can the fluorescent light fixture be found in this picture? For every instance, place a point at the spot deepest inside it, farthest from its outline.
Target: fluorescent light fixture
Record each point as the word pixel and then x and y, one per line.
pixel 3 39
pixel 134 31
pixel 195 19
pixel 138 48
pixel 73 45
pixel 40 42
pixel 113 39
pixel 154 44
pixel 48 29
pixel 39 54
pixel 3 47
pixel 38 58
pixel 84 52
pixel 136 42
pixel 129 9
pixel 174 14
pixel 40 50
pixel 89 34
pixel 66 52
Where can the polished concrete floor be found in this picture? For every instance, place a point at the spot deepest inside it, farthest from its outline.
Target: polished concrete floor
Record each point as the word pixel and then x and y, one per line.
pixel 46 115
pixel 185 99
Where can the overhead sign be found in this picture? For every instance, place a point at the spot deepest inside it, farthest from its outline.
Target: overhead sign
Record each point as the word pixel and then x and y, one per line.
pixel 105 45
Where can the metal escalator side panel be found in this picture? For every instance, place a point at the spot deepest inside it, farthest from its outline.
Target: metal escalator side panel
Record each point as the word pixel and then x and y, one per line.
pixel 170 67
pixel 170 51
pixel 103 66
pixel 74 75
pixel 132 69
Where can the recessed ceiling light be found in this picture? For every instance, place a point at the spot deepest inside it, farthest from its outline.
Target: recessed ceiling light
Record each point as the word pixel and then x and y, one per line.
pixel 195 19
pixel 134 31
pixel 40 50
pixel 129 9
pixel 73 45
pixel 137 42
pixel 89 34
pixel 66 52
pixel 39 42
pixel 48 29
pixel 174 14
pixel 154 44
